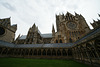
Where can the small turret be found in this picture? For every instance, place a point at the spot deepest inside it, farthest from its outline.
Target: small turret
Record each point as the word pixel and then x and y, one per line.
pixel 53 31
pixel 96 24
pixel 34 25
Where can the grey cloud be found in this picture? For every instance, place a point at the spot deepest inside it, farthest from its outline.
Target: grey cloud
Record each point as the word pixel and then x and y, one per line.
pixel 8 6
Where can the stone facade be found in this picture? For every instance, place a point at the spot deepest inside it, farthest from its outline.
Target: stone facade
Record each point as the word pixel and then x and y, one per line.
pixel 85 49
pixel 69 29
pixel 96 24
pixel 33 36
pixel 7 32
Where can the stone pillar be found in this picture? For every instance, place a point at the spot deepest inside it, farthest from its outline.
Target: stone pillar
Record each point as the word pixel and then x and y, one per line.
pixel 46 52
pixel 7 51
pixel 61 52
pixel 28 52
pixel 66 51
pixel 41 52
pixel 21 52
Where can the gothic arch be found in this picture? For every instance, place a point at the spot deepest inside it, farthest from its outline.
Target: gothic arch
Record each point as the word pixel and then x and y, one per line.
pixel 90 50
pixel 54 52
pixel 39 52
pixel 69 52
pixel 97 45
pixel 31 51
pixel 64 52
pixel 60 41
pixel 35 51
pixel 58 52
pixel 44 52
pixel 26 51
pixel 49 52
pixel 10 52
pixel 19 51
pixel 56 41
pixel 23 51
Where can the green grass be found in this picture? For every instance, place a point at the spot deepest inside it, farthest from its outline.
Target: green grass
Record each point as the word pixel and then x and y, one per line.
pixel 21 62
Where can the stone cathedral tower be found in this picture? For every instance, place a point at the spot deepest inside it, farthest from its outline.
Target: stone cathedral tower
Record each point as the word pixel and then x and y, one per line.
pixel 69 28
pixel 7 31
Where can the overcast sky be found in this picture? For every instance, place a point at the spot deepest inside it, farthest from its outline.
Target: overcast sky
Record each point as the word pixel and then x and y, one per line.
pixel 25 13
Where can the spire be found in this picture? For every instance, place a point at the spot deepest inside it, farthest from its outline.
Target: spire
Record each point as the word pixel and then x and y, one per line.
pixel 34 25
pixel 93 20
pixel 75 13
pixel 18 36
pixel 53 30
pixel 91 23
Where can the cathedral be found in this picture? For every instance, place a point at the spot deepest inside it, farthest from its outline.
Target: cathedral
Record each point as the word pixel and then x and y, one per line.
pixel 69 29
pixel 73 40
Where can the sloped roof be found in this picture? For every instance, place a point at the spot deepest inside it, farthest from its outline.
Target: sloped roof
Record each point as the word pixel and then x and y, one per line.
pixel 6 44
pixel 46 35
pixel 55 45
pixel 42 35
pixel 23 37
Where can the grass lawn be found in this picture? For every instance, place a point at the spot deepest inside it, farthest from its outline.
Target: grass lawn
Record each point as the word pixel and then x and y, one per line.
pixel 21 62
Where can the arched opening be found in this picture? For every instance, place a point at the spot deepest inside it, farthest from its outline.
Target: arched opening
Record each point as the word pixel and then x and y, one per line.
pixel 23 51
pixel 64 52
pixel 56 41
pixel 10 52
pixel 26 51
pixel 39 52
pixel 44 52
pixel 58 52
pixel 70 40
pixel 78 37
pixel 53 52
pixel 60 41
pixel 15 52
pixel 69 52
pixel 49 52
pixel 91 50
pixel 19 51
pixel 31 52
pixel 35 52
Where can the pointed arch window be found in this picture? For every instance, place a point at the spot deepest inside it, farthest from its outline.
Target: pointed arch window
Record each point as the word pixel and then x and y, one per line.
pixel 56 41
pixel 60 41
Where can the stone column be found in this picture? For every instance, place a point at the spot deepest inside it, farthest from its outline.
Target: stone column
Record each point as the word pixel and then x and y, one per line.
pixel 61 52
